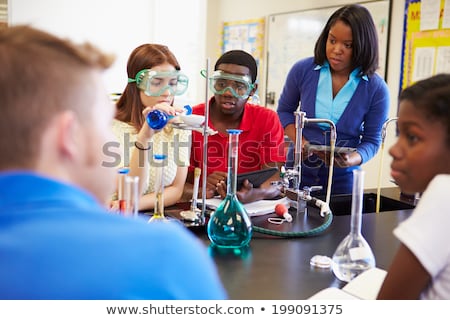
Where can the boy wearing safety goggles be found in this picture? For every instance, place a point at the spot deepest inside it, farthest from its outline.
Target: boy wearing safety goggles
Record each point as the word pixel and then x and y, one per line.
pixel 261 142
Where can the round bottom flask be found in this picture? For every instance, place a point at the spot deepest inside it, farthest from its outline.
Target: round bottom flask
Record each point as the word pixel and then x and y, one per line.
pixel 230 226
pixel 354 255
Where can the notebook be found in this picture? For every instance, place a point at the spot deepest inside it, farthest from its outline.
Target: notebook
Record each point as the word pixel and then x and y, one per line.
pixel 256 208
pixel 364 287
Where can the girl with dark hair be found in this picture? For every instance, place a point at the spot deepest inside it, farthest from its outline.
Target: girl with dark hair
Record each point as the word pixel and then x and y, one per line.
pixel 420 163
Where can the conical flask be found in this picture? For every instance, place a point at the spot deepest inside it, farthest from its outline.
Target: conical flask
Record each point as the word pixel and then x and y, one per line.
pixel 354 255
pixel 230 226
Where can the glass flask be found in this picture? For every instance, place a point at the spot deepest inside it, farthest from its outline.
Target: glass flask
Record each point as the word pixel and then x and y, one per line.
pixel 131 196
pixel 158 214
pixel 354 255
pixel 158 119
pixel 230 226
pixel 122 174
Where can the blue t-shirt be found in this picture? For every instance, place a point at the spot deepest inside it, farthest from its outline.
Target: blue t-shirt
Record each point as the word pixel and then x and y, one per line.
pixel 57 242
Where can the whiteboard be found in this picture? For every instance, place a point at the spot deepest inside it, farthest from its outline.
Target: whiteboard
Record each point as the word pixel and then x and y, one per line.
pixel 292 36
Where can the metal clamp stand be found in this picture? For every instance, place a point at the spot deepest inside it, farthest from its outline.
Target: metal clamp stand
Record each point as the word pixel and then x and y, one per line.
pixel 195 217
pixel 301 196
pixel 205 148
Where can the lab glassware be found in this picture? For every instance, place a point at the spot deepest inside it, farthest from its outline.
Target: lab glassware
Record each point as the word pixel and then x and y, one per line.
pixel 121 188
pixel 158 214
pixel 230 226
pixel 354 255
pixel 131 196
pixel 158 119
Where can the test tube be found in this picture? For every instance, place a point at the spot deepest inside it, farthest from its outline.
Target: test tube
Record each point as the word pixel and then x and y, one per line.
pixel 131 196
pixel 122 174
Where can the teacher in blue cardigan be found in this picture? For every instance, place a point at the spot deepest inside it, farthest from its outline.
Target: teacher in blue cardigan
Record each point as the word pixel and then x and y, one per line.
pixel 339 83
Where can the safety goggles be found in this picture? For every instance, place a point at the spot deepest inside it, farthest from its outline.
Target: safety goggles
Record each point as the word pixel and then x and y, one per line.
pixel 155 83
pixel 239 86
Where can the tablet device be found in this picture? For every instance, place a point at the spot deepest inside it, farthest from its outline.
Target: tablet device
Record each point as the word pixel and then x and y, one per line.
pixel 320 147
pixel 256 177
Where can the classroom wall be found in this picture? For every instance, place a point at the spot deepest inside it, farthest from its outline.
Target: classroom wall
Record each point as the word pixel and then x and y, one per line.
pixel 220 11
pixel 192 29
pixel 119 26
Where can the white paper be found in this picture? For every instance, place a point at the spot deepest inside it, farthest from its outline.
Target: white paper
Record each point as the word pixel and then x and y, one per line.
pixel 364 287
pixel 333 293
pixel 257 208
pixel 446 15
pixel 429 14
pixel 367 284
pixel 443 60
pixel 423 63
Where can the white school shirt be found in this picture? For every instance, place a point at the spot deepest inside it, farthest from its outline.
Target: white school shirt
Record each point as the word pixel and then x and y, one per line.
pixel 172 142
pixel 427 234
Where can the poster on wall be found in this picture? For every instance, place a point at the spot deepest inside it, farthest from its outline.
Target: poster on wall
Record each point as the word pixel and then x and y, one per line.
pixel 247 35
pixel 426 40
pixel 3 14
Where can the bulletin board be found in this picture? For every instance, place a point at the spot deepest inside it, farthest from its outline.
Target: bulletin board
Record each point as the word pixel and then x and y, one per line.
pixel 247 35
pixel 292 36
pixel 426 40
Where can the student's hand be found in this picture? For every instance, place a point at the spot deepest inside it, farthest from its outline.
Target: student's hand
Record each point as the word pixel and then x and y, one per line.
pixel 247 193
pixel 145 133
pixel 170 110
pixel 167 108
pixel 221 189
pixel 344 160
pixel 114 205
pixel 214 181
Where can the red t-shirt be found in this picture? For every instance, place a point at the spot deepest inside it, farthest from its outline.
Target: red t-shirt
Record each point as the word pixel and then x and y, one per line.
pixel 261 142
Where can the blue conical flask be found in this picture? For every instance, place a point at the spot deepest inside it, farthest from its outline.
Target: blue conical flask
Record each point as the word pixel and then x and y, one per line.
pixel 158 119
pixel 230 226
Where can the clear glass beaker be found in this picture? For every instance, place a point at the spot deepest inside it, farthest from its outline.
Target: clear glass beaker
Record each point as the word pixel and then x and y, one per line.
pixel 230 226
pixel 354 255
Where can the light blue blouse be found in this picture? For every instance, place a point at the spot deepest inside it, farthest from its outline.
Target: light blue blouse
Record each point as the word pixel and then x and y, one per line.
pixel 326 106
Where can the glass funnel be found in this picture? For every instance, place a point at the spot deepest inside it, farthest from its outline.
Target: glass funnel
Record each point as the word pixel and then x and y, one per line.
pixel 230 226
pixel 158 214
pixel 354 255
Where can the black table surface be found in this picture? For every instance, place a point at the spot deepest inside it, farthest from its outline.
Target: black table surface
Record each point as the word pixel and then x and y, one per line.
pixel 279 268
pixel 275 268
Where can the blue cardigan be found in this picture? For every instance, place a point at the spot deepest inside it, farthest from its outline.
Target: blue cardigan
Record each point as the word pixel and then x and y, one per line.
pixel 359 125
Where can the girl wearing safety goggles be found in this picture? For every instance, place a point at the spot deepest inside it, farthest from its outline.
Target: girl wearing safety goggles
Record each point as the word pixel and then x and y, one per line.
pixel 154 79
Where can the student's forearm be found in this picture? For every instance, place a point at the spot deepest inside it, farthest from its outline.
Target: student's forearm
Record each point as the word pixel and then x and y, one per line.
pixel 171 196
pixel 139 166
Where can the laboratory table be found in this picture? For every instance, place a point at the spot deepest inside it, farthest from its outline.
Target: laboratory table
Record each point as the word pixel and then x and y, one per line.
pixel 279 268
